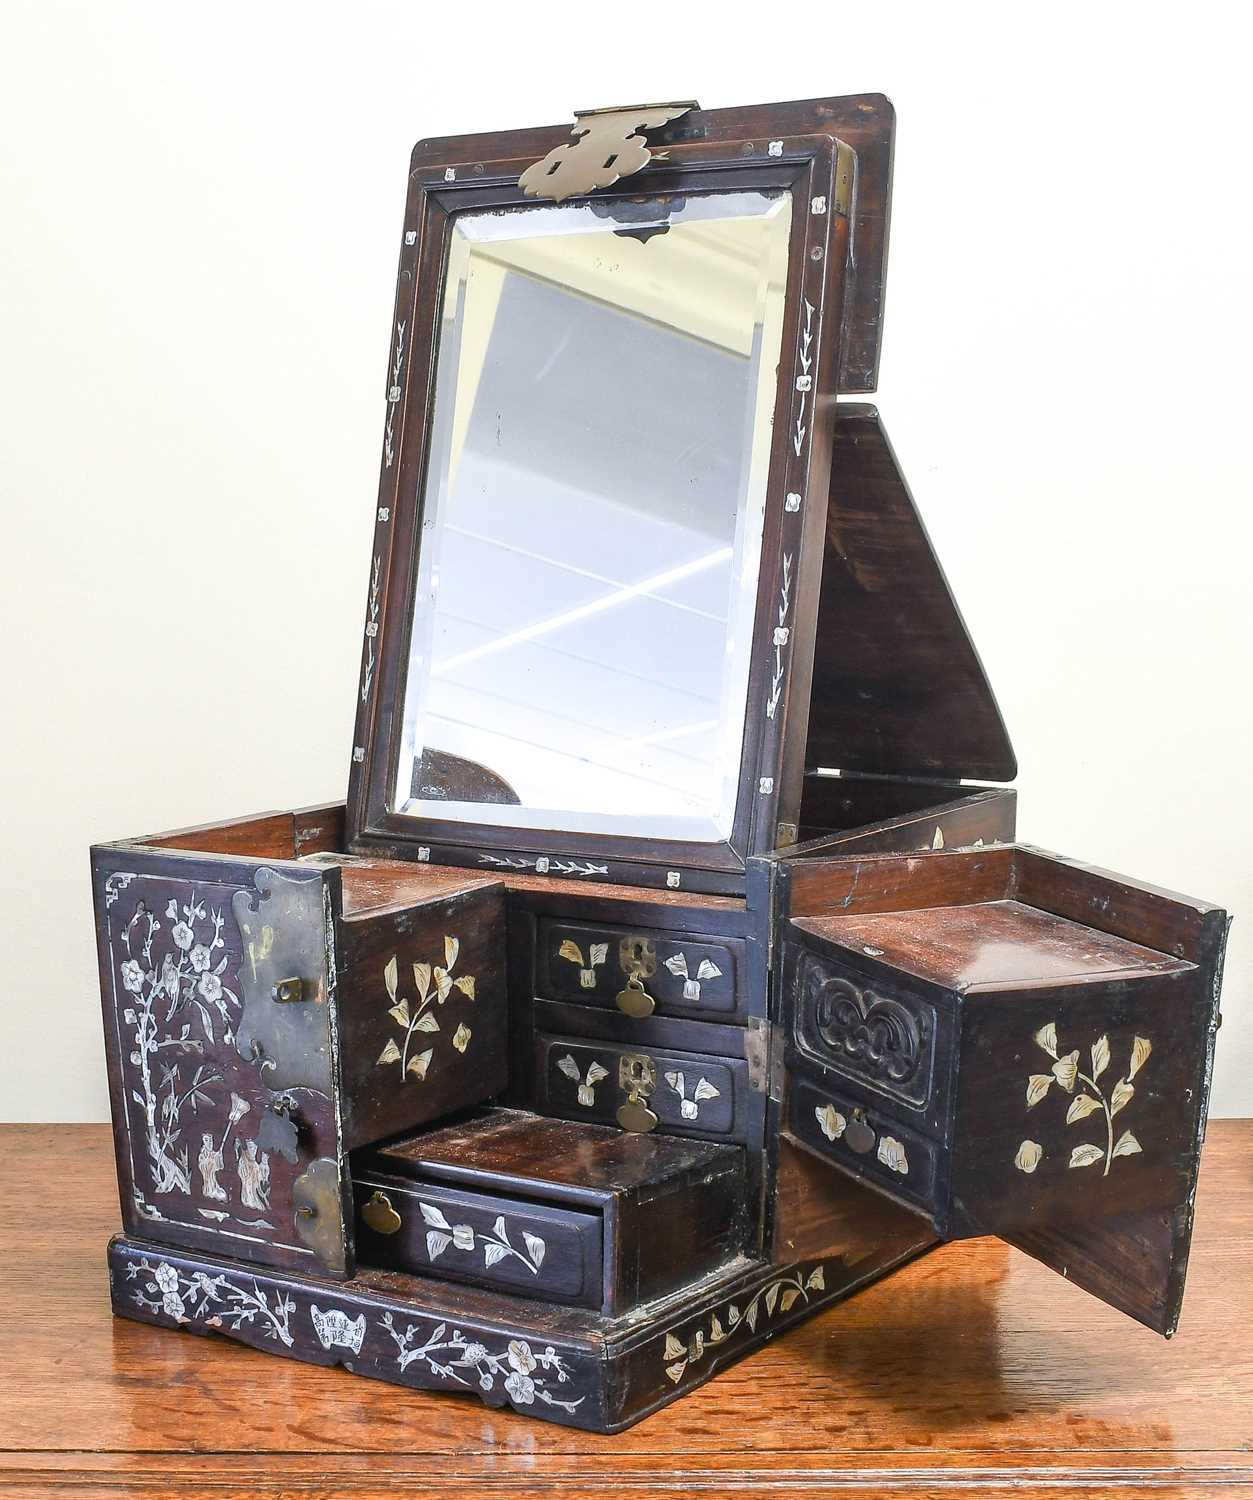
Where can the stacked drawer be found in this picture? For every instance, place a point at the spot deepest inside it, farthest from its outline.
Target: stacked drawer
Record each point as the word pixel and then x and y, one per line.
pixel 559 1211
pixel 638 1024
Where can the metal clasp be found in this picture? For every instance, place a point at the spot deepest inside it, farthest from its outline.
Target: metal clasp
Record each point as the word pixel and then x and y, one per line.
pixel 288 990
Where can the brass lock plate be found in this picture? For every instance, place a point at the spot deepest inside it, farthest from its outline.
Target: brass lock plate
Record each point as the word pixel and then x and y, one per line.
pixel 637 1077
pixel 637 957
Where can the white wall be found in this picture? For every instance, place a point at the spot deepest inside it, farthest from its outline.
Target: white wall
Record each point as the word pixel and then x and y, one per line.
pixel 199 216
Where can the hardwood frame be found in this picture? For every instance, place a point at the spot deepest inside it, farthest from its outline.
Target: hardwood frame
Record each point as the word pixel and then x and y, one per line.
pixel 818 171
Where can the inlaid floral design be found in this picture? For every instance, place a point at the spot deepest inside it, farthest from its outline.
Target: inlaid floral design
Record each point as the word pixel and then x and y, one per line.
pixel 524 1374
pixel 706 970
pixel 596 955
pixel 769 1301
pixel 1088 1097
pixel 214 1301
pixel 176 986
pixel 830 1121
pixel 690 1103
pixel 434 985
pixel 497 1245
pixel 586 1091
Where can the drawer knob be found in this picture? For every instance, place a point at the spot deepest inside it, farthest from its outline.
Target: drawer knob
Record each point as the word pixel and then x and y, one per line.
pixel 635 1001
pixel 380 1215
pixel 858 1136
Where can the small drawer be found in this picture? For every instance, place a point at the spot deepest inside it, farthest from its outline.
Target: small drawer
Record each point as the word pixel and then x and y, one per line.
pixel 665 972
pixel 688 1093
pixel 559 1210
pixel 866 1143
pixel 554 1254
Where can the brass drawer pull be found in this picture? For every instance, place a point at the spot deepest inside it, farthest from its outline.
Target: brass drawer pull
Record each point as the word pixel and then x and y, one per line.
pixel 635 1001
pixel 379 1214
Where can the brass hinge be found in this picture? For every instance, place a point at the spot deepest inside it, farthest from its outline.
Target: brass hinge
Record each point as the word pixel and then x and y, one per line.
pixel 757 1051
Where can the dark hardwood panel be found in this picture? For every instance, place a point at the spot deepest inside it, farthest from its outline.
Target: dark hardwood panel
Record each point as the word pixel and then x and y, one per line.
pixel 898 687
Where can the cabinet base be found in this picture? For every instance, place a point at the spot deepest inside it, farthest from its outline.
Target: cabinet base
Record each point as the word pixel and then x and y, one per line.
pixel 563 1365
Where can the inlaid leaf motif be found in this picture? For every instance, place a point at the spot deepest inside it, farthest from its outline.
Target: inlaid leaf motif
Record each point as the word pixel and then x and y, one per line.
pixel 830 1121
pixel 1122 1094
pixel 433 1216
pixel 787 1300
pixel 493 1252
pixel 595 1072
pixel 675 1372
pixel 677 964
pixel 1081 1106
pixel 415 1016
pixel 1066 1070
pixel 535 1247
pixel 1086 1156
pixel 772 1297
pixel 437 1242
pixel 569 1067
pixel 570 950
pixel 708 970
pixel 1029 1155
pixel 816 1281
pixel 674 1349
pixel 1046 1037
pixel 1037 1086
pixel 717 1333
pixel 597 954
pixel 1090 1099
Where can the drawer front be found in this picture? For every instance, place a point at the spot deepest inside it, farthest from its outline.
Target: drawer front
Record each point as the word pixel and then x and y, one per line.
pixel 879 1039
pixel 593 965
pixel 690 1093
pixel 866 1144
pixel 554 1254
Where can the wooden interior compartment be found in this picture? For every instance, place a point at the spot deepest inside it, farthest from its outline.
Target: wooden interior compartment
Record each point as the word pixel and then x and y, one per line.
pixel 846 813
pixel 658 1211
pixel 1071 1014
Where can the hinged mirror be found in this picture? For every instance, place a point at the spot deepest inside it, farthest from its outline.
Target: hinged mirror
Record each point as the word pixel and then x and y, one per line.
pixel 605 474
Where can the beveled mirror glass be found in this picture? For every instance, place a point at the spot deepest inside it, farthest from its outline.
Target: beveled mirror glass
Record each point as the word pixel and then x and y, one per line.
pixel 591 522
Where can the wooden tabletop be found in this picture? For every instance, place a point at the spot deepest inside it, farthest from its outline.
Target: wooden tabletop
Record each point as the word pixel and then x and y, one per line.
pixel 973 1369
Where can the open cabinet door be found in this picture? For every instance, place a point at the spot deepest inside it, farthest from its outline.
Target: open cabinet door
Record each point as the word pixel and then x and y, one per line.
pixel 1009 1043
pixel 218 980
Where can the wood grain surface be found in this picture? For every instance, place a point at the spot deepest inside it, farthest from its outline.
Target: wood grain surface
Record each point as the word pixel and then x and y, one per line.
pixel 973 1369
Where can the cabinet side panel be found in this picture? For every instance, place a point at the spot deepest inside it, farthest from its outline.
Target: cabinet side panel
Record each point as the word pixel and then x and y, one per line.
pixel 224 1099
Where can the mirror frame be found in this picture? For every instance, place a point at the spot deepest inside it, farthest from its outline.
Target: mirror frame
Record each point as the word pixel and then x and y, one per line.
pixel 704 151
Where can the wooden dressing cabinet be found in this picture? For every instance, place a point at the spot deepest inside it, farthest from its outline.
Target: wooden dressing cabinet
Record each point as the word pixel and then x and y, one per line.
pixel 608 1028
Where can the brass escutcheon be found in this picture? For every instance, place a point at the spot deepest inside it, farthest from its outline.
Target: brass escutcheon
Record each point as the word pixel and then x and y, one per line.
pixel 379 1214
pixel 288 990
pixel 637 1075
